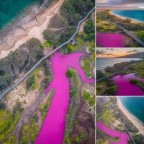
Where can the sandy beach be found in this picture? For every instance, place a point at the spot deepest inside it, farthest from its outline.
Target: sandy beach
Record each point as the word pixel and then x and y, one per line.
pixel 33 28
pixel 134 120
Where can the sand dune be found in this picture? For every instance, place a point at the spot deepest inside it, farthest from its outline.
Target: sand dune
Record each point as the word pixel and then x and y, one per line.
pixel 33 28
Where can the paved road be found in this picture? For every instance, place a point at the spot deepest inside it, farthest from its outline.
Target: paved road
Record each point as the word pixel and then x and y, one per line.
pixel 108 76
pixel 46 56
pixel 128 33
pixel 111 75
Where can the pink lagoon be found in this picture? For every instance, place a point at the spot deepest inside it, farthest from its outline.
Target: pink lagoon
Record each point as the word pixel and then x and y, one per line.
pixel 52 130
pixel 110 39
pixel 123 137
pixel 125 87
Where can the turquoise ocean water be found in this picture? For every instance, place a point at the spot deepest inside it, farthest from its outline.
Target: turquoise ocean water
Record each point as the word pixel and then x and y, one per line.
pixel 135 105
pixel 133 14
pixel 11 9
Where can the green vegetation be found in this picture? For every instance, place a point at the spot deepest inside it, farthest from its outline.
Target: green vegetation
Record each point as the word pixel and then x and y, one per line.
pixel 55 39
pixel 2 72
pixel 29 131
pixel 10 140
pixel 89 98
pixel 103 25
pixel 51 37
pixel 138 138
pixel 42 46
pixel 140 34
pixel 48 44
pixel 33 129
pixel 100 74
pixel 138 83
pixel 69 73
pixel 80 42
pixel 93 57
pixel 24 134
pixel 32 81
pixel 71 13
pixel 89 29
pixel 45 107
pixel 87 67
pixel 74 83
pixel 110 91
pixel 8 120
pixel 106 87
pixel 73 10
pixel 80 137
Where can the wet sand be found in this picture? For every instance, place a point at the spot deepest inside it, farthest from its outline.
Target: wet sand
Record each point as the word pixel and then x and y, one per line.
pixel 33 28
pixel 134 120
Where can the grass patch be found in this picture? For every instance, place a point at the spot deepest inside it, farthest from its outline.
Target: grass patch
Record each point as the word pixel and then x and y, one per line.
pixel 29 131
pixel 32 81
pixel 8 120
pixel 24 134
pixel 48 44
pixel 74 81
pixel 45 107
pixel 33 129
pixel 87 67
pixel 80 137
pixel 138 83
pixel 89 98
pixel 10 140
pixel 140 34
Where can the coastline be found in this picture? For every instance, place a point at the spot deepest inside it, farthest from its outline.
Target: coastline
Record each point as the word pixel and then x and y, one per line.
pixel 133 119
pixel 111 65
pixel 30 29
pixel 124 18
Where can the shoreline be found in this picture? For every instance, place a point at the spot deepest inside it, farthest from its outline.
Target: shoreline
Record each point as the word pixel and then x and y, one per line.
pixel 103 68
pixel 33 28
pixel 137 123
pixel 124 18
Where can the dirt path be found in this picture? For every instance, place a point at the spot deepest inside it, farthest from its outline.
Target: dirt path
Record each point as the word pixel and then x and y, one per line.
pixel 33 28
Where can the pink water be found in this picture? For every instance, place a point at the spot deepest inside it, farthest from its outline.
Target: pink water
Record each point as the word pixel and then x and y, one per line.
pixel 125 87
pixel 110 39
pixel 52 131
pixel 123 137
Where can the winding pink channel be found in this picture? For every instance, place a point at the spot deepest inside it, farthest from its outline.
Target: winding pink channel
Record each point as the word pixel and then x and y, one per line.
pixel 110 39
pixel 124 137
pixel 52 131
pixel 125 87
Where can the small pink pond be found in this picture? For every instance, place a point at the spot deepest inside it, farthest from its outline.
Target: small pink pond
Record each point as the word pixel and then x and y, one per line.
pixel 125 87
pixel 52 131
pixel 110 39
pixel 123 137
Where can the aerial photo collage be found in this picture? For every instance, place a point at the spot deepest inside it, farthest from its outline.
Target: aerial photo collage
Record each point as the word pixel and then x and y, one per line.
pixel 71 71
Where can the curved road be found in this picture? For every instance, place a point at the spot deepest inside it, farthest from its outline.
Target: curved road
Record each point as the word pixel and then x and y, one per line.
pixel 134 37
pixel 46 56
